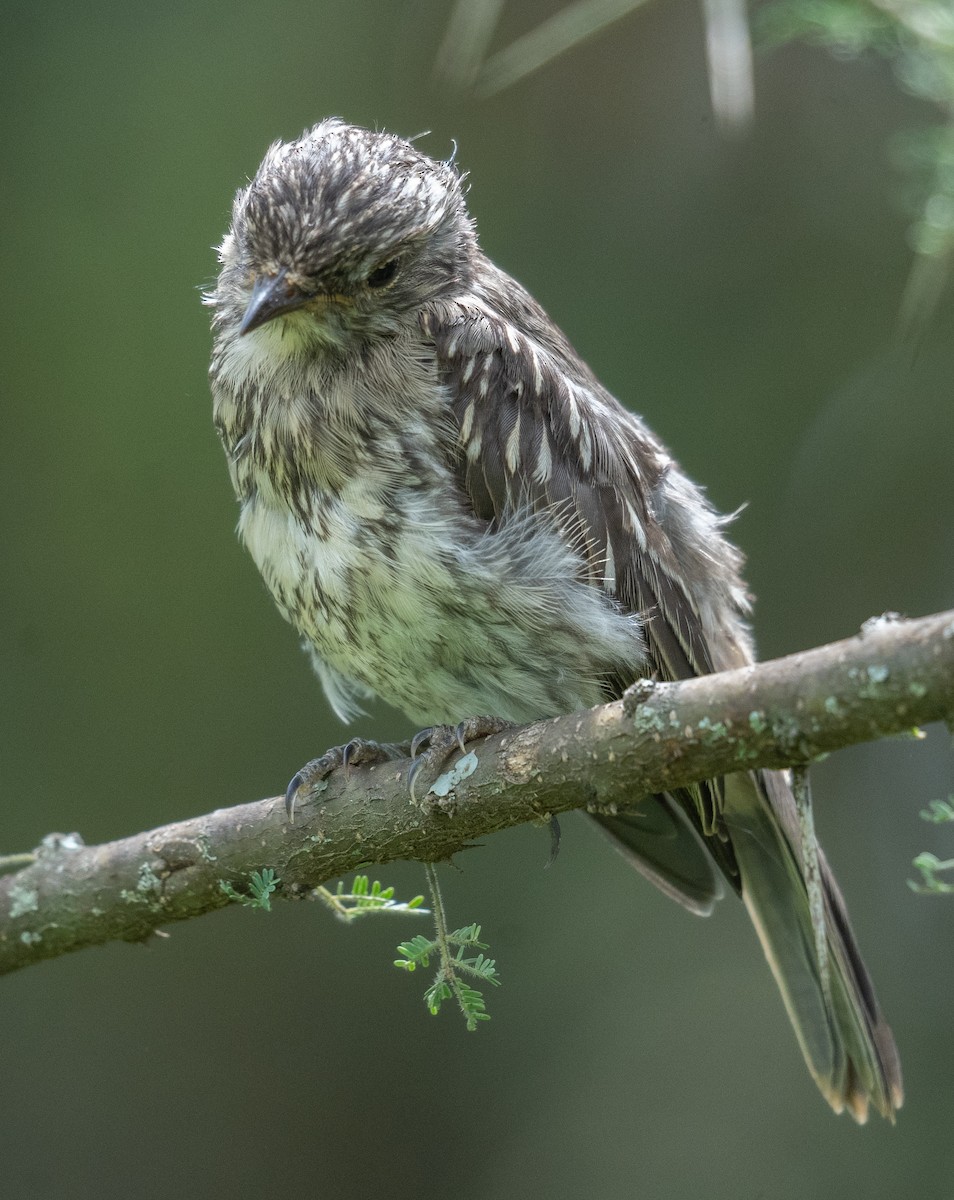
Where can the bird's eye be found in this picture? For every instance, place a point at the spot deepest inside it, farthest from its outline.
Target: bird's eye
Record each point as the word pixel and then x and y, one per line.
pixel 384 273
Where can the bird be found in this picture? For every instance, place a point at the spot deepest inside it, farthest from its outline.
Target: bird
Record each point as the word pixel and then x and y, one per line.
pixel 458 518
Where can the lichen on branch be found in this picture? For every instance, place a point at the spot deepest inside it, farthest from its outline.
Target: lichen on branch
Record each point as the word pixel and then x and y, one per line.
pixel 893 676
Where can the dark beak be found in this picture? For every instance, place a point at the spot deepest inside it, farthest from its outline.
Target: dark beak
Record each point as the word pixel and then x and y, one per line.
pixel 270 298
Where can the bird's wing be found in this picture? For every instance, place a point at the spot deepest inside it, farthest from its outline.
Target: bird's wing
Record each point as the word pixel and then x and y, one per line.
pixel 532 436
pixel 536 430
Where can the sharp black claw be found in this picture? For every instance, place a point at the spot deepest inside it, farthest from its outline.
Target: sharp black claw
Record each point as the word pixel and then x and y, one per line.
pixel 418 740
pixel 291 793
pixel 412 774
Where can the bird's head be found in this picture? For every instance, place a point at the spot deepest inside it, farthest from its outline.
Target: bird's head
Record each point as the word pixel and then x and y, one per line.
pixel 340 235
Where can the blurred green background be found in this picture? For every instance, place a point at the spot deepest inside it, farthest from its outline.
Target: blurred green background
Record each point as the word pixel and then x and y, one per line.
pixel 743 297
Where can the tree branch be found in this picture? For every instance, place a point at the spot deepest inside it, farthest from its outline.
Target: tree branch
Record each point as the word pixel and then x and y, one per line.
pixel 891 677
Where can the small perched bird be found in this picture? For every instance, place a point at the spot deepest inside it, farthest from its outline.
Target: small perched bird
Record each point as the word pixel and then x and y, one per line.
pixel 459 518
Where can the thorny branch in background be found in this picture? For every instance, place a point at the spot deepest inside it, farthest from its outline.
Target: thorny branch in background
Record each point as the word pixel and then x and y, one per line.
pixel 915 36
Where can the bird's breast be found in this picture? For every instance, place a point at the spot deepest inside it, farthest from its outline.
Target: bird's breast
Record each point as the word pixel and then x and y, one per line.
pixel 351 508
pixel 421 604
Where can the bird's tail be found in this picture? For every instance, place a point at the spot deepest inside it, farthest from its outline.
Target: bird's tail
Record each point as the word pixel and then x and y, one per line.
pixel 847 1045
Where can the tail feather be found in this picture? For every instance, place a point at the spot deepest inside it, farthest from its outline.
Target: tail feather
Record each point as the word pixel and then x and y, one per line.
pixel 846 1043
pixel 660 842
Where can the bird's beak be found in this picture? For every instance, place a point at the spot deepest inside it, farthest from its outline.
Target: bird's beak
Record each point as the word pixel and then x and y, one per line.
pixel 271 296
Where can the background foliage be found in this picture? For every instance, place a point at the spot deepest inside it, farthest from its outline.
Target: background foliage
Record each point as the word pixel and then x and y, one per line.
pixel 744 296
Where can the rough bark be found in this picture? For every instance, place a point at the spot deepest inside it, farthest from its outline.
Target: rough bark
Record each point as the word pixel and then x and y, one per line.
pixel 893 676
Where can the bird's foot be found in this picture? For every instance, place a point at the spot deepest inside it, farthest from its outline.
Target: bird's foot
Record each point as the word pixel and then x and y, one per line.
pixel 358 752
pixel 431 748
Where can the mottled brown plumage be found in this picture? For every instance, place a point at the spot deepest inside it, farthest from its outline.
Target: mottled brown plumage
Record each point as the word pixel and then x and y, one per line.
pixel 460 519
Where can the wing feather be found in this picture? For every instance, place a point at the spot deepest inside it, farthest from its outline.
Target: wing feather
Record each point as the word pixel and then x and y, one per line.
pixel 536 431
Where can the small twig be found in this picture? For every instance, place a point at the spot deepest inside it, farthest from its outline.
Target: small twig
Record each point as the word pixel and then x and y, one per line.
pixel 446 972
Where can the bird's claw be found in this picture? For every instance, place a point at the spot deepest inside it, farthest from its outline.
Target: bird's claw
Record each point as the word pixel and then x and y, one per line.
pixel 442 740
pixel 355 753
